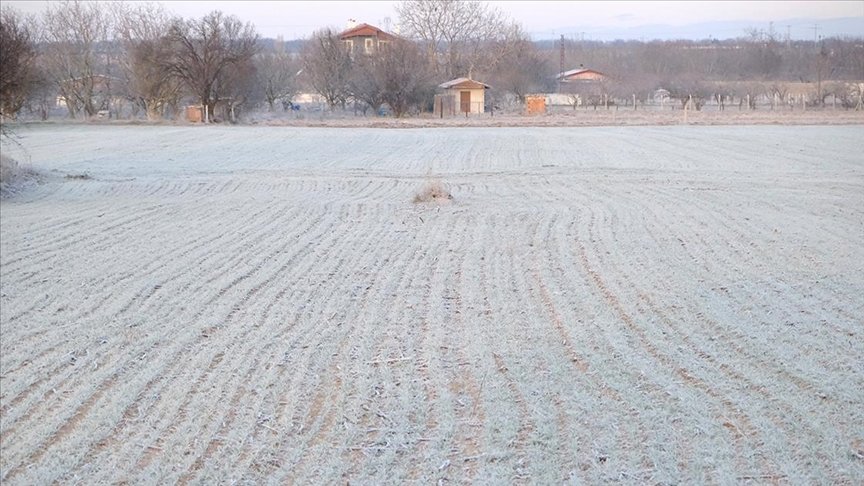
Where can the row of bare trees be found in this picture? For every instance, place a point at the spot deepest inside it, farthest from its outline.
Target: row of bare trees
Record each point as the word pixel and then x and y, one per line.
pixel 89 56
pixel 398 75
pixel 444 39
pixel 94 57
pixel 471 39
pixel 749 68
pixel 17 62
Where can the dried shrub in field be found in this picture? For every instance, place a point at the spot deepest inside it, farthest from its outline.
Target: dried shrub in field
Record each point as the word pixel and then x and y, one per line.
pixel 81 177
pixel 433 191
pixel 14 177
pixel 8 169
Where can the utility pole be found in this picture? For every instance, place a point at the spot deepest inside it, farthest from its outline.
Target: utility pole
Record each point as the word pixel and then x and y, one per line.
pixel 820 60
pixel 821 63
pixel 561 65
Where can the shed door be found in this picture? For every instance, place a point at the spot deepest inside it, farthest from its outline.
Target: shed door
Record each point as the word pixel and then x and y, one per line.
pixel 465 101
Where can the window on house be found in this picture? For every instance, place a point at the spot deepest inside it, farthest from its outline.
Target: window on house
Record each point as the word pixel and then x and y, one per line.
pixel 349 44
pixel 369 45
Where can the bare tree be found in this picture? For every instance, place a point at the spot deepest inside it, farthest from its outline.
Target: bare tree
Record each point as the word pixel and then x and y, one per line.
pixel 521 72
pixel 723 92
pixel 327 67
pixel 748 93
pixel 42 96
pixel 822 68
pixel 777 91
pixel 842 92
pixel 277 76
pixel 426 21
pixel 761 58
pixel 856 92
pixel 203 51
pixel 487 49
pixel 406 77
pixel 513 64
pixel 17 56
pixel 690 90
pixel 149 82
pixel 458 29
pixel 73 32
pixel 366 81
pixel 237 87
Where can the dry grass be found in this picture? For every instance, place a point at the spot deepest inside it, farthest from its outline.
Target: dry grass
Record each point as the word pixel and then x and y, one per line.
pixel 8 169
pixel 562 117
pixel 15 177
pixel 433 191
pixel 81 177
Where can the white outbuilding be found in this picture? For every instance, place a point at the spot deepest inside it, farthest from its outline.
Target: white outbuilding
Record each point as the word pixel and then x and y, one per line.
pixel 469 96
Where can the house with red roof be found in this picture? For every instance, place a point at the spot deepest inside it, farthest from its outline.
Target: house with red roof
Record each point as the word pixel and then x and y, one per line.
pixel 365 38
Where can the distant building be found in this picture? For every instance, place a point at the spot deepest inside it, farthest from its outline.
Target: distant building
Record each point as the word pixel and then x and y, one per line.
pixel 581 75
pixel 586 84
pixel 365 38
pixel 468 95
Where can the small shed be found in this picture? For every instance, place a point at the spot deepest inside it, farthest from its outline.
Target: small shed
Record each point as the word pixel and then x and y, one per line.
pixel 468 95
pixel 195 113
pixel 535 104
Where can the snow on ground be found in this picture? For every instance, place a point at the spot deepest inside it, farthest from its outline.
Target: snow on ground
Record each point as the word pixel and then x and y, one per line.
pixel 250 304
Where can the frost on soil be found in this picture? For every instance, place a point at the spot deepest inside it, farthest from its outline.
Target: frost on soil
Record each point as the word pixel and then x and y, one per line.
pixel 653 305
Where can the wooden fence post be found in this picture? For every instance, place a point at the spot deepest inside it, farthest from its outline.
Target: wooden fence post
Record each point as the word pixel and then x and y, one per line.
pixel 686 107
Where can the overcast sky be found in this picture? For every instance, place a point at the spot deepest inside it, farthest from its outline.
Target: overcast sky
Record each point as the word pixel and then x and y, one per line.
pixel 541 18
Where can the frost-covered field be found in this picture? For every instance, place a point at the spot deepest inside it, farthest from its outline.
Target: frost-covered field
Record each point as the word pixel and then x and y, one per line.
pixel 263 304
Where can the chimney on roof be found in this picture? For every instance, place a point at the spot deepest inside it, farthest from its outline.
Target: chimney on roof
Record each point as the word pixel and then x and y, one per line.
pixel 351 24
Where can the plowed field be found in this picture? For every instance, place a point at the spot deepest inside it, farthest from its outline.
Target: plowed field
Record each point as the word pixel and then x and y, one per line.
pixel 260 304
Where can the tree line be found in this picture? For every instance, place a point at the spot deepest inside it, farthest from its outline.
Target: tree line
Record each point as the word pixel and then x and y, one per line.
pixel 90 55
pixel 753 66
pixel 99 58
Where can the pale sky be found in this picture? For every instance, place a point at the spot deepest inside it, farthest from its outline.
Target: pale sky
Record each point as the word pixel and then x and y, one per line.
pixel 541 18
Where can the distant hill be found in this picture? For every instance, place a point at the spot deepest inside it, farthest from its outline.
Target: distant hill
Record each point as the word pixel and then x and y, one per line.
pixel 798 29
pixel 291 46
